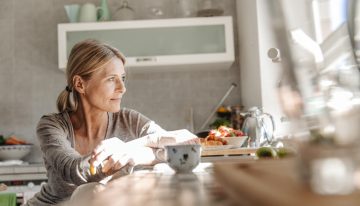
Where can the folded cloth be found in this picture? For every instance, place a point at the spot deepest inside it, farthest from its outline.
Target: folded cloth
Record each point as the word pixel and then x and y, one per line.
pixel 8 199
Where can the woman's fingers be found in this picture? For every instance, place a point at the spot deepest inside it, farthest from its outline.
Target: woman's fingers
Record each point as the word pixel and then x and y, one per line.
pixel 115 163
pixel 112 154
pixel 100 157
pixel 108 164
pixel 105 149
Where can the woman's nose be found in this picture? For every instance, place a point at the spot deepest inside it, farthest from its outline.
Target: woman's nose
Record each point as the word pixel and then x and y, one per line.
pixel 120 86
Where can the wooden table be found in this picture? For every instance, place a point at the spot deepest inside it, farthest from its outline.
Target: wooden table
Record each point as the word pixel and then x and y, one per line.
pixel 273 183
pixel 243 181
pixel 160 186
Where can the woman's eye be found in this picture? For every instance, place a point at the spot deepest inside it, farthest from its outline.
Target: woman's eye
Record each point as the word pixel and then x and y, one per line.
pixel 123 78
pixel 112 79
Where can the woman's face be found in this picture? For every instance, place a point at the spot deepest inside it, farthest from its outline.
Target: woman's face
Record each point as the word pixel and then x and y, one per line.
pixel 104 90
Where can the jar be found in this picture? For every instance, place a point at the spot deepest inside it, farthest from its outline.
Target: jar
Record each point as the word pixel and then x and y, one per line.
pixel 124 12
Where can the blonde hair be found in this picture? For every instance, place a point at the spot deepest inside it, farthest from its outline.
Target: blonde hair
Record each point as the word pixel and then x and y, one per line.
pixel 85 58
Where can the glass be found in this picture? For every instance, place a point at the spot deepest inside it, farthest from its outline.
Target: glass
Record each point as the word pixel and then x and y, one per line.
pixel 321 72
pixel 186 8
pixel 157 9
pixel 208 8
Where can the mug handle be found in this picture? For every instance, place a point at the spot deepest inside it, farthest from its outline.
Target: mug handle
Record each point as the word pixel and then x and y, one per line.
pixel 99 13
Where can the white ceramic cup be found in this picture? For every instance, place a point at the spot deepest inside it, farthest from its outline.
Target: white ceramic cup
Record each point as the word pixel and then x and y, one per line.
pixel 183 158
pixel 88 13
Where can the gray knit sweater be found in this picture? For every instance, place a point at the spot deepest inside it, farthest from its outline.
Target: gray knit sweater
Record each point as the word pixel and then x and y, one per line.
pixel 66 168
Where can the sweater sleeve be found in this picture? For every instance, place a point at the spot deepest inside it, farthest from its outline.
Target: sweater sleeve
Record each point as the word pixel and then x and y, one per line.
pixel 52 134
pixel 137 124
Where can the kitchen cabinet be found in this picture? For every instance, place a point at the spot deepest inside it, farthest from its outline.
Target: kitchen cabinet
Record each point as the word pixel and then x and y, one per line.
pixel 149 45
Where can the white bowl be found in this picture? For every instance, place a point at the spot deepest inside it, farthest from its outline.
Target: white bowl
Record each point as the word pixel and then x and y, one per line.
pixel 236 141
pixel 14 152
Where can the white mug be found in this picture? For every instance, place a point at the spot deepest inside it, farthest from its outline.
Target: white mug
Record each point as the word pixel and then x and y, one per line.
pixel 183 158
pixel 88 13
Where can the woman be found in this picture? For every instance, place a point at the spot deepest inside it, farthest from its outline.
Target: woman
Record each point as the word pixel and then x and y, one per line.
pixel 84 142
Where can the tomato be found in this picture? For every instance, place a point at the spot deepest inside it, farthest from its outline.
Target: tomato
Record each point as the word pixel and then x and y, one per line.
pixel 238 133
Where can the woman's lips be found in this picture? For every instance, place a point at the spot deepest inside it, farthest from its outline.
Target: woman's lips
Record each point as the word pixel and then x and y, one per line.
pixel 116 99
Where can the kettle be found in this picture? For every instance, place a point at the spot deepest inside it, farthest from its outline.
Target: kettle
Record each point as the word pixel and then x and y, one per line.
pixel 259 127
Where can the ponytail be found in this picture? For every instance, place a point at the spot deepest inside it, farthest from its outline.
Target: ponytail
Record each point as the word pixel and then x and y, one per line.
pixel 67 100
pixel 63 101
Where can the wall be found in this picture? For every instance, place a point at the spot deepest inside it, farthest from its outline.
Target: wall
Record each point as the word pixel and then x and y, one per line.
pixel 249 52
pixel 259 75
pixel 30 80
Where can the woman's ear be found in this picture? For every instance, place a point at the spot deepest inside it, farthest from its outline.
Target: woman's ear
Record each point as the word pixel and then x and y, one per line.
pixel 79 84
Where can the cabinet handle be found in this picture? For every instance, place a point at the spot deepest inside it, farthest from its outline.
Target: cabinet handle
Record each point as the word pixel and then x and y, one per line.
pixel 146 59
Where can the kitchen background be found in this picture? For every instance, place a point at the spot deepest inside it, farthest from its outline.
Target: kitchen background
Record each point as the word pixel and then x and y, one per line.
pixel 30 80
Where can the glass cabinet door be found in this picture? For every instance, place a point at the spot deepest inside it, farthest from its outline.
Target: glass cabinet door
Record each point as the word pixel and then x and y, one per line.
pixel 185 41
pixel 157 41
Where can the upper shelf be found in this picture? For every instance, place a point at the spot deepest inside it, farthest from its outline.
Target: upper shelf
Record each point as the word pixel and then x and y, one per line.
pixel 162 43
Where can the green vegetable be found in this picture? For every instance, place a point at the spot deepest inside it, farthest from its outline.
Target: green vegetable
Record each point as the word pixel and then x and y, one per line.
pixel 283 152
pixel 265 152
pixel 220 122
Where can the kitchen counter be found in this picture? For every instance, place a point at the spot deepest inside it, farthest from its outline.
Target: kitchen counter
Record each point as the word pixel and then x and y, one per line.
pixel 35 171
pixel 25 180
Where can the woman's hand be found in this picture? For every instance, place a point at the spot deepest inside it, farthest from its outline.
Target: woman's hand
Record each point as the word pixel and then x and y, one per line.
pixel 112 154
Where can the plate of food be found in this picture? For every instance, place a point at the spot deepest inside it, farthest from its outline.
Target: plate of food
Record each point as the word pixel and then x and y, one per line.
pixel 223 138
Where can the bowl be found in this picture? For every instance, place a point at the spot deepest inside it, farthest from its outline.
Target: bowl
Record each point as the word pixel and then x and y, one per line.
pixel 183 158
pixel 14 152
pixel 202 134
pixel 236 141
